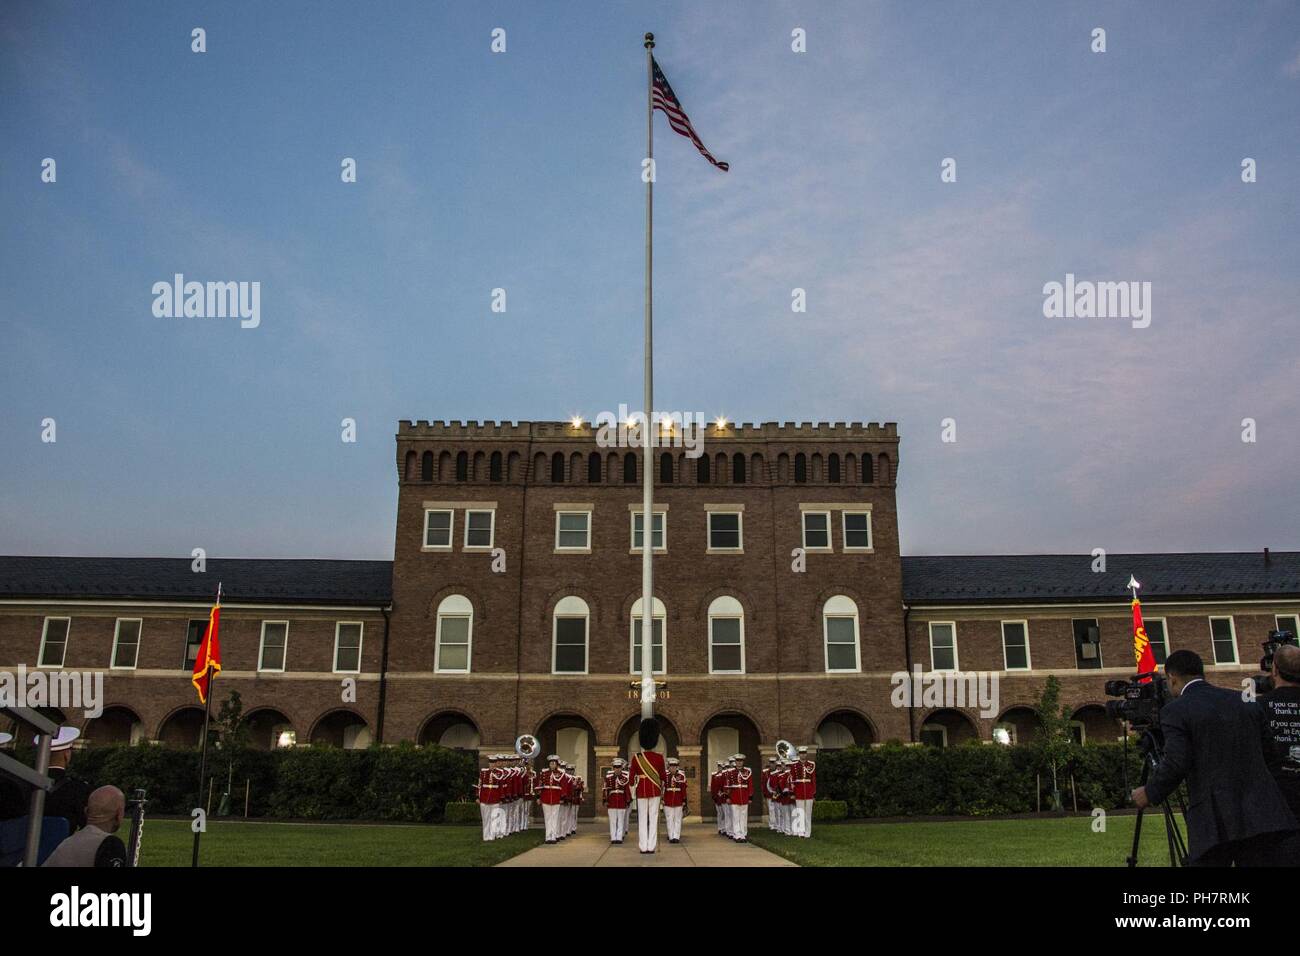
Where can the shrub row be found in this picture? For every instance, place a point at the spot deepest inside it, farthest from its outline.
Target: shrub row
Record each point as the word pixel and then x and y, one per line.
pixel 971 779
pixel 402 783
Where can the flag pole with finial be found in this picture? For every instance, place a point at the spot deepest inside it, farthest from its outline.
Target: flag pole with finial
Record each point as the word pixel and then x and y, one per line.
pixel 647 441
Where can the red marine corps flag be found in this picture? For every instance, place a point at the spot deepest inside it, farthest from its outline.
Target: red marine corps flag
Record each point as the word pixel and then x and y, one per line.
pixel 207 664
pixel 1142 653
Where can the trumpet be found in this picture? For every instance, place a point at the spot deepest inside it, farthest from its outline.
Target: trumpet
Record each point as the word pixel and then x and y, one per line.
pixel 528 746
pixel 785 751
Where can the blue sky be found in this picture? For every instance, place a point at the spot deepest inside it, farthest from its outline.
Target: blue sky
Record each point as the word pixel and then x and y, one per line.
pixel 521 170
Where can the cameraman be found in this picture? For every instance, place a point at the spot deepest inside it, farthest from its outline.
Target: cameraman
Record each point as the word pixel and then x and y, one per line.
pixel 1283 709
pixel 1217 742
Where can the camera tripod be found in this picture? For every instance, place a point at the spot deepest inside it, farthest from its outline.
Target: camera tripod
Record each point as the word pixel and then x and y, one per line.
pixel 1150 748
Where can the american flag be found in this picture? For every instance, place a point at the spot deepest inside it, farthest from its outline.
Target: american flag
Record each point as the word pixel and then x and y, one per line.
pixel 663 98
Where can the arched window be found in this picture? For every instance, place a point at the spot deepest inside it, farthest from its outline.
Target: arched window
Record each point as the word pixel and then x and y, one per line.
pixel 539 467
pixel 659 660
pixel 883 462
pixel 737 469
pixel 756 469
pixel 462 467
pixel 665 469
pixel 569 636
pixel 629 468
pixel 426 466
pixel 444 467
pixel 557 468
pixel 867 476
pixel 833 469
pixel 454 635
pixel 800 468
pixel 702 470
pixel 408 471
pixel 840 630
pixel 726 636
pixel 593 468
pixel 494 467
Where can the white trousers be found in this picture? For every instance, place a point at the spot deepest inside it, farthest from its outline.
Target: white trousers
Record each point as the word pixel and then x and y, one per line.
pixel 783 818
pixel 722 819
pixel 771 816
pixel 647 823
pixel 485 814
pixel 724 815
pixel 551 820
pixel 673 818
pixel 740 820
pixel 617 823
pixel 805 808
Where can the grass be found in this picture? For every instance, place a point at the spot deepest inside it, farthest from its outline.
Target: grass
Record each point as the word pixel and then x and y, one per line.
pixel 1052 841
pixel 238 843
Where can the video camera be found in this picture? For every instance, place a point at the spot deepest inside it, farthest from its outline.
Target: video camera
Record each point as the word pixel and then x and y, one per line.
pixel 1276 639
pixel 1140 699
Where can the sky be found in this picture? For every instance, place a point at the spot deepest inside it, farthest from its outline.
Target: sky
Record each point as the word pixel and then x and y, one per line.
pixel 520 170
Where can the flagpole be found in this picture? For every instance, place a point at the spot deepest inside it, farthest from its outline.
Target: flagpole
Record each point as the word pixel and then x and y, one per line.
pixel 647 499
pixel 203 747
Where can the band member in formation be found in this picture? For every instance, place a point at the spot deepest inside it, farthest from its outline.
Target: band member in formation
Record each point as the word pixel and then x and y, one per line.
pixel 785 798
pixel 648 773
pixel 717 793
pixel 573 801
pixel 553 788
pixel 740 786
pixel 488 794
pixel 769 795
pixel 804 774
pixel 674 800
pixel 616 795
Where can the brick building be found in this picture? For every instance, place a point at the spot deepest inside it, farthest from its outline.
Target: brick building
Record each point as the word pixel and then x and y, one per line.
pixel 512 605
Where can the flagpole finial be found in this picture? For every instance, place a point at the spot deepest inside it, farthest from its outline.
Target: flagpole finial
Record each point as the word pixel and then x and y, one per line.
pixel 1132 583
pixel 649 41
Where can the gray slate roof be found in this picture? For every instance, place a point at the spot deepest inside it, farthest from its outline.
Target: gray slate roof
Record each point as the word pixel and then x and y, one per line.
pixel 263 580
pixel 1051 578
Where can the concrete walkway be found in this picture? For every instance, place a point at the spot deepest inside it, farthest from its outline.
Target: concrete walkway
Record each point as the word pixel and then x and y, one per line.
pixel 700 846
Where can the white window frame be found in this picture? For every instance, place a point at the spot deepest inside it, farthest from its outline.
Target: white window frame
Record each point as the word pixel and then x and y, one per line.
pixel 1232 629
pixel 580 549
pixel 844 531
pixel 926 726
pixel 492 530
pixel 956 666
pixel 139 639
pixel 803 527
pixel 631 526
pixel 1029 660
pixel 449 607
pixel 660 615
pixel 45 632
pixel 585 617
pixel 361 643
pixel 1164 629
pixel 261 649
pixel 740 530
pixel 1294 615
pixel 826 634
pixel 728 616
pixel 451 530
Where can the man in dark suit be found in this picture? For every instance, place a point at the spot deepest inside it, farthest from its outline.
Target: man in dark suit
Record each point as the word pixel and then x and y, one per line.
pixel 1217 742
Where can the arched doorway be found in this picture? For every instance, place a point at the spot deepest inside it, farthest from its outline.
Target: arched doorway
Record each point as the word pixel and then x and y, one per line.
pixel 1020 723
pixel 182 728
pixel 843 728
pixel 116 725
pixel 452 730
pixel 341 728
pixel 725 735
pixel 629 742
pixel 572 739
pixel 268 729
pixel 947 728
pixel 1091 724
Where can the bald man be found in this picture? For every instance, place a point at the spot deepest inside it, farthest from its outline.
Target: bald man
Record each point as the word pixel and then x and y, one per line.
pixel 95 843
pixel 1283 709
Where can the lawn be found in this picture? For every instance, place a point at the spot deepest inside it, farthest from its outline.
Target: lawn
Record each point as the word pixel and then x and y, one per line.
pixel 239 843
pixel 1031 842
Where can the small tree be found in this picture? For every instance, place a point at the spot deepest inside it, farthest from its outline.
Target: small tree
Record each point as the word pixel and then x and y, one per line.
pixel 232 740
pixel 1055 744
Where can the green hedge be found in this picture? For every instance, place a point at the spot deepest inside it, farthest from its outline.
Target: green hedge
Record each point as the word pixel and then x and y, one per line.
pixel 824 810
pixel 970 779
pixel 463 814
pixel 403 783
